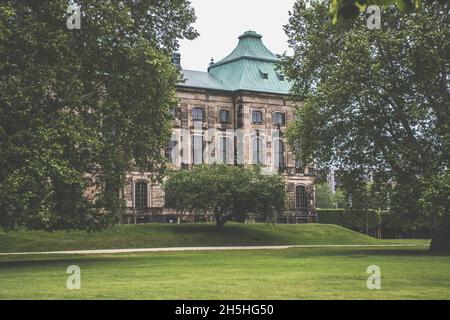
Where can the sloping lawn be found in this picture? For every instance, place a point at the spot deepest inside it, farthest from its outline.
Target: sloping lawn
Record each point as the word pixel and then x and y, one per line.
pixel 184 235
pixel 297 273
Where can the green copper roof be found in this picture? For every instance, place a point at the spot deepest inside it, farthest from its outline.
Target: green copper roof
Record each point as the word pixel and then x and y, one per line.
pixel 250 46
pixel 250 67
pixel 204 80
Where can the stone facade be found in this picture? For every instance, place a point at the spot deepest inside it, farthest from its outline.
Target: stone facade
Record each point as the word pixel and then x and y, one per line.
pixel 234 137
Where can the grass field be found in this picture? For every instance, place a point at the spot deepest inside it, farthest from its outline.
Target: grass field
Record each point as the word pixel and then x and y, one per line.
pixel 184 235
pixel 298 273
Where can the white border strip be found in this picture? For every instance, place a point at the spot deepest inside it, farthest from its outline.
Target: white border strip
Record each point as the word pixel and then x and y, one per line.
pixel 180 249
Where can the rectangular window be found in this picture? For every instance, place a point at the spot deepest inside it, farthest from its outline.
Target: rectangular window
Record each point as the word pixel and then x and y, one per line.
pixel 299 168
pixel 197 114
pixel 197 149
pixel 278 119
pixel 224 116
pixel 257 117
pixel 279 153
pixel 301 201
pixel 140 194
pixel 258 149
pixel 225 149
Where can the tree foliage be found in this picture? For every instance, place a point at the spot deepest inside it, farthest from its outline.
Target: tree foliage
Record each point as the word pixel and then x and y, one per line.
pixel 348 9
pixel 78 108
pixel 228 192
pixel 327 199
pixel 376 101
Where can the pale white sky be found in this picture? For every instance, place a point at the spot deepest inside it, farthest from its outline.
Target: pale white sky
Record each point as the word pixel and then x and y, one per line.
pixel 221 22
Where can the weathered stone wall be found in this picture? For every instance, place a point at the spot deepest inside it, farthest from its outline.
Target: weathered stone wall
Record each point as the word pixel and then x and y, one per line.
pixel 212 102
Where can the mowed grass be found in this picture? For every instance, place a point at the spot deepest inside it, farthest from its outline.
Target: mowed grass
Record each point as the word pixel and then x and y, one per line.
pixel 297 273
pixel 184 235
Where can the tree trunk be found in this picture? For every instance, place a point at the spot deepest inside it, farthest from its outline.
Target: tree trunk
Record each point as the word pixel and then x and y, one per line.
pixel 221 220
pixel 441 240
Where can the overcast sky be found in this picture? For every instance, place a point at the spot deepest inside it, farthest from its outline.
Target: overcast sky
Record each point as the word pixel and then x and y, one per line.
pixel 221 22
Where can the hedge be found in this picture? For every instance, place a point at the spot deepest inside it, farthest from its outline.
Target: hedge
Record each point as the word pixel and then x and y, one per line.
pixel 353 219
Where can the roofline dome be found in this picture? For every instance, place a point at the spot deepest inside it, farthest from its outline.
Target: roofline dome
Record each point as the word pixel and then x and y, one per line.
pixel 250 46
pixel 250 34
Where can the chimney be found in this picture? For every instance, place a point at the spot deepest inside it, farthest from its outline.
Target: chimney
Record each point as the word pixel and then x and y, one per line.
pixel 176 60
pixel 211 64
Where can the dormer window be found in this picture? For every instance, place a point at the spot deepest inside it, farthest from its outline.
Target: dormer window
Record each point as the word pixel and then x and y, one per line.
pixel 264 72
pixel 280 76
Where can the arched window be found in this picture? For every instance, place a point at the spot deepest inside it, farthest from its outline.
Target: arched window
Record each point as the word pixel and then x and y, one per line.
pixel 173 112
pixel 141 195
pixel 197 114
pixel 301 201
pixel 278 119
pixel 171 151
pixel 279 153
pixel 224 116
pixel 257 117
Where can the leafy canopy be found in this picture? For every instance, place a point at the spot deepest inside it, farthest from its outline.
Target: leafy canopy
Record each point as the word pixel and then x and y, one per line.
pixel 79 108
pixel 228 192
pixel 327 199
pixel 376 101
pixel 350 9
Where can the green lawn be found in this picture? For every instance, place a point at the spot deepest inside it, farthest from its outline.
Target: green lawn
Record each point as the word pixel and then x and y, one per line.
pixel 298 273
pixel 184 235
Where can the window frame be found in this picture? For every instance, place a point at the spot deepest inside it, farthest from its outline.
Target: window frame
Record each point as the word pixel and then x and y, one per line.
pixel 275 114
pixel 299 167
pixel 172 144
pixel 301 198
pixel 254 118
pixel 195 112
pixel 258 142
pixel 140 196
pixel 281 146
pixel 227 119
pixel 195 151
pixel 225 144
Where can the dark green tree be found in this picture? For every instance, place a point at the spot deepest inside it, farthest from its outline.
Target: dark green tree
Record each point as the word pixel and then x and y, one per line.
pixel 228 192
pixel 347 9
pixel 377 101
pixel 268 195
pixel 78 108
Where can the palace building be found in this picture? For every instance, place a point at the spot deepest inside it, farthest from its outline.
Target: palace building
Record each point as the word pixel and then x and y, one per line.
pixel 236 112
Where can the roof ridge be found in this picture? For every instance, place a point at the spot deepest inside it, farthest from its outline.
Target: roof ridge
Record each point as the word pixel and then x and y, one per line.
pixel 250 46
